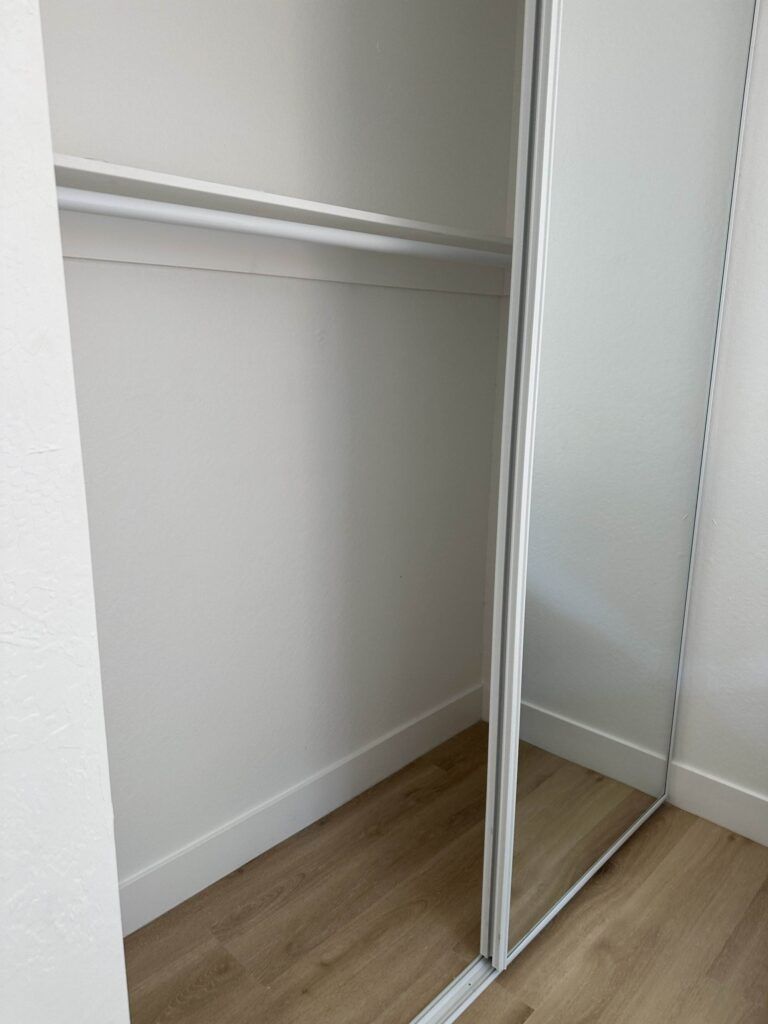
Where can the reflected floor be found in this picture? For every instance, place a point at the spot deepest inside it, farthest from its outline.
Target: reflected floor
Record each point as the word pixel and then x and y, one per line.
pixel 365 916
pixel 566 817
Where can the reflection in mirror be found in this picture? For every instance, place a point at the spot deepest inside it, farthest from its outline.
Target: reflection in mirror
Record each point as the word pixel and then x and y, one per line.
pixel 646 129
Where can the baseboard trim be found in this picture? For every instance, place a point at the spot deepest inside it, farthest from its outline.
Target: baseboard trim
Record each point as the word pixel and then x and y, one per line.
pixel 725 803
pixel 169 881
pixel 610 755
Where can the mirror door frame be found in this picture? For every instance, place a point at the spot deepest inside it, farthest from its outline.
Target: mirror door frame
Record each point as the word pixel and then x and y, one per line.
pixel 536 133
pixel 541 36
pixel 540 59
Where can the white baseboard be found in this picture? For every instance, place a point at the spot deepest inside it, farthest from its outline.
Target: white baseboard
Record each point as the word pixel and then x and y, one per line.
pixel 168 882
pixel 610 755
pixel 727 804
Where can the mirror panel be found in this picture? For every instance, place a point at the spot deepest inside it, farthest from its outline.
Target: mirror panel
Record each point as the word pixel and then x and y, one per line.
pixel 646 129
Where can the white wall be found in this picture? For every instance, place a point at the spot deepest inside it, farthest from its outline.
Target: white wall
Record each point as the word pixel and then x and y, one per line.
pixel 60 953
pixel 647 120
pixel 404 107
pixel 288 486
pixel 288 475
pixel 722 745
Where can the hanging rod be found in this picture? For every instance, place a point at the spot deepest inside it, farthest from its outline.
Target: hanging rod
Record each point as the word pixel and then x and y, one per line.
pixel 84 201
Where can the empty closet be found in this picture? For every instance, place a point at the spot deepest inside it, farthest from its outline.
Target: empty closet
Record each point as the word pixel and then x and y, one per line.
pixel 393 327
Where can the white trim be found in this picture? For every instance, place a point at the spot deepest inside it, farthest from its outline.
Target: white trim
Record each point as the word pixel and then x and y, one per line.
pixel 97 176
pixel 174 878
pixel 110 205
pixel 526 310
pixel 120 240
pixel 725 803
pixel 603 752
pixel 460 994
pixel 499 741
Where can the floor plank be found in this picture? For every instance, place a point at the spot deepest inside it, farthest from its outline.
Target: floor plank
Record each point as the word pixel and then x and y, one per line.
pixel 205 986
pixel 379 893
pixel 672 929
pixel 361 876
pixel 743 961
pixel 366 915
pixel 566 817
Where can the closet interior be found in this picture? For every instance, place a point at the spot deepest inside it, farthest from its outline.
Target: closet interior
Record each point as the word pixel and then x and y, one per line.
pixel 293 233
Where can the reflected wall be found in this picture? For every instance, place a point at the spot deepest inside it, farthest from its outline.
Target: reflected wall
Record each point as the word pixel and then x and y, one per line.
pixel 646 128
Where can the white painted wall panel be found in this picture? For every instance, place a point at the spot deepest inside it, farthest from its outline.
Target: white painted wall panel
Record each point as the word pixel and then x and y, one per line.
pixel 647 121
pixel 724 701
pixel 61 958
pixel 288 486
pixel 403 107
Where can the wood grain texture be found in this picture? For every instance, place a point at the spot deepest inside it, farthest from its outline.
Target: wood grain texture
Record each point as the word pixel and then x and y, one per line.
pixel 673 928
pixel 566 817
pixel 366 915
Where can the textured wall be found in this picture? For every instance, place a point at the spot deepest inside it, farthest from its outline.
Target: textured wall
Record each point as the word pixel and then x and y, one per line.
pixel 61 957
pixel 724 700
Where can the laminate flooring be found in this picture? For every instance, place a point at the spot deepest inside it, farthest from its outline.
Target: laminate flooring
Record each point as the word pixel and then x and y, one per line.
pixel 366 915
pixel 673 929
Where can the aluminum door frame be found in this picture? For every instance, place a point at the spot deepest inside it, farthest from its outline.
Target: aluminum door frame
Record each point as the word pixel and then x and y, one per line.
pixel 541 40
pixel 542 19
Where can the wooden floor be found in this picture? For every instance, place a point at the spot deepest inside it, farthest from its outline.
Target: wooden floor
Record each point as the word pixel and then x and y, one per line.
pixel 566 817
pixel 365 916
pixel 673 929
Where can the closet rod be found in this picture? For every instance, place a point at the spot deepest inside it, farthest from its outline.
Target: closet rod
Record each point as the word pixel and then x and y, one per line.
pixel 83 201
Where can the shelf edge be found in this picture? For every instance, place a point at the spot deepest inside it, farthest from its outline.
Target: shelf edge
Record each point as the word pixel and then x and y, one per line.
pixel 136 183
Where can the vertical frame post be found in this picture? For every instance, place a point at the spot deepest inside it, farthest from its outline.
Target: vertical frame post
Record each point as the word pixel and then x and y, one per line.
pixel 531 217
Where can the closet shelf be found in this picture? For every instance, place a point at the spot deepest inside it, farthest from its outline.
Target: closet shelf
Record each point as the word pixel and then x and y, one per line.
pixel 93 186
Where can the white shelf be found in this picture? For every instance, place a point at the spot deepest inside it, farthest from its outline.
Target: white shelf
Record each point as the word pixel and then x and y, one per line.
pixel 93 186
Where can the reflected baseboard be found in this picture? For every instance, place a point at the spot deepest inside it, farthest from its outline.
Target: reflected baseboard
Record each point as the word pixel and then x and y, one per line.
pixel 725 803
pixel 583 744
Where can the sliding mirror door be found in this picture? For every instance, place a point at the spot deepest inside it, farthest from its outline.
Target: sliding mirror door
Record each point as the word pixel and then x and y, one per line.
pixel 644 125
